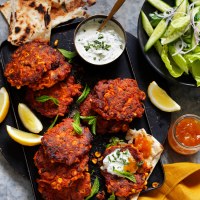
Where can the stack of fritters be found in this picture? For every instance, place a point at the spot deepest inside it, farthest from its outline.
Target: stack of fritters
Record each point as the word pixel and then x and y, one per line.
pixel 121 186
pixel 115 103
pixel 45 72
pixel 62 163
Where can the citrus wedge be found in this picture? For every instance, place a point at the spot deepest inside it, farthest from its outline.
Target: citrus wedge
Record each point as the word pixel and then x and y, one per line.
pixel 4 103
pixel 29 120
pixel 22 137
pixel 161 99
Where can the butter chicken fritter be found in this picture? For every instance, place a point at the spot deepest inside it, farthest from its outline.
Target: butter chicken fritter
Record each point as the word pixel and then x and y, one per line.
pixel 78 190
pixel 62 144
pixel 31 62
pixel 118 99
pixel 115 103
pixel 59 175
pixel 63 91
pixel 123 187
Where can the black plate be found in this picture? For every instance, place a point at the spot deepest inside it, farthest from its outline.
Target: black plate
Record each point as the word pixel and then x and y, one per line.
pixel 153 57
pixel 126 67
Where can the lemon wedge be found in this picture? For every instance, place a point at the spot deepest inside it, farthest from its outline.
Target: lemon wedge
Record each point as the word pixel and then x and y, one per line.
pixel 22 137
pixel 161 99
pixel 28 118
pixel 4 103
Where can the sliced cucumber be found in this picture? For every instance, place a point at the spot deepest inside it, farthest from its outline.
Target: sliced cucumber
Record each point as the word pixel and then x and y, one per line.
pixel 160 5
pixel 157 34
pixel 178 59
pixel 149 30
pixel 180 12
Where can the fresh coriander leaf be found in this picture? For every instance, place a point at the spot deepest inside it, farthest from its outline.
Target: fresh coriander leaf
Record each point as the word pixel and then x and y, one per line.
pixel 112 196
pixel 100 36
pixel 77 128
pixel 114 141
pixel 126 175
pixel 95 189
pixel 139 164
pixel 45 98
pixel 68 54
pixel 83 96
pixel 54 122
pixel 77 118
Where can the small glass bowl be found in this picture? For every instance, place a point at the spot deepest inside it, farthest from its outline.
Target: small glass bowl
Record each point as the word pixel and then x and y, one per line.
pixel 175 143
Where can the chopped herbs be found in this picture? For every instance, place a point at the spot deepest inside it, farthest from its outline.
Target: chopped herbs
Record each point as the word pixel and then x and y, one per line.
pixel 155 19
pixel 45 98
pixel 54 122
pixel 126 175
pixel 114 141
pixel 139 164
pixel 95 189
pixel 96 44
pixel 92 121
pixel 76 124
pixel 100 36
pixel 68 54
pixel 84 94
pixel 112 196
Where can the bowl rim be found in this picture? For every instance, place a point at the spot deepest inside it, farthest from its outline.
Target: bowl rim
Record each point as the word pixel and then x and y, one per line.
pixel 168 77
pixel 103 17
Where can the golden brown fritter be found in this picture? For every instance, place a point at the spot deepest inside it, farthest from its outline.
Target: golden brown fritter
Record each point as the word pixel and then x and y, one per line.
pixel 32 61
pixel 123 187
pixel 118 99
pixel 62 144
pixel 63 91
pixel 115 103
pixel 78 190
pixel 59 175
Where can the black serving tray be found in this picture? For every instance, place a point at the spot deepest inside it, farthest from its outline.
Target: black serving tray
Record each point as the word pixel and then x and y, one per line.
pixel 130 65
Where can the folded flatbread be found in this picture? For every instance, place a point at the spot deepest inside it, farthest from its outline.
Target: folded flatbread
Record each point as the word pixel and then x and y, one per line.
pixel 33 20
pixel 156 151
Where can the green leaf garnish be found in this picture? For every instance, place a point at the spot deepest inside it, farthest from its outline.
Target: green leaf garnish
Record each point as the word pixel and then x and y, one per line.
pixel 95 188
pixel 76 124
pixel 92 121
pixel 54 122
pixel 114 141
pixel 68 54
pixel 84 94
pixel 140 163
pixel 112 196
pixel 45 98
pixel 126 175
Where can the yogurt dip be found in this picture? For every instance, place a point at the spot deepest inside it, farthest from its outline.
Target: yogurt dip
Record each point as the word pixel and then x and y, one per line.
pixel 99 48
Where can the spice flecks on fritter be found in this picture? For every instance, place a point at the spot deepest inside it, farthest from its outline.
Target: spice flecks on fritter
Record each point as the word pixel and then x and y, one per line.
pixel 124 158
pixel 62 144
pixel 59 175
pixel 32 61
pixel 63 91
pixel 118 99
pixel 78 190
pixel 115 103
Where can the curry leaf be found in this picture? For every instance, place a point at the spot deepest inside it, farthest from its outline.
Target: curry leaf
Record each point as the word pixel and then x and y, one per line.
pixel 76 124
pixel 68 54
pixel 126 175
pixel 95 189
pixel 112 196
pixel 45 98
pixel 92 121
pixel 54 122
pixel 84 94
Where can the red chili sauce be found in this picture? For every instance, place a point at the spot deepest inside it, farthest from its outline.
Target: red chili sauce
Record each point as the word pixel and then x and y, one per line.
pixel 188 132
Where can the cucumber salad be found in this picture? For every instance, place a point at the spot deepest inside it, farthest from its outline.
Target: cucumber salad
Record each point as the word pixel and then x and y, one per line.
pixel 175 33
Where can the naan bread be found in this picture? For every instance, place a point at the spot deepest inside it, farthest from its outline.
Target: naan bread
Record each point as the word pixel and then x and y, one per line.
pixel 6 11
pixel 29 20
pixel 156 151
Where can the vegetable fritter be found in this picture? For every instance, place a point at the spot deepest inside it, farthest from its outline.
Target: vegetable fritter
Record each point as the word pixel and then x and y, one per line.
pixel 78 190
pixel 32 62
pixel 62 144
pixel 123 187
pixel 115 103
pixel 59 175
pixel 63 91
